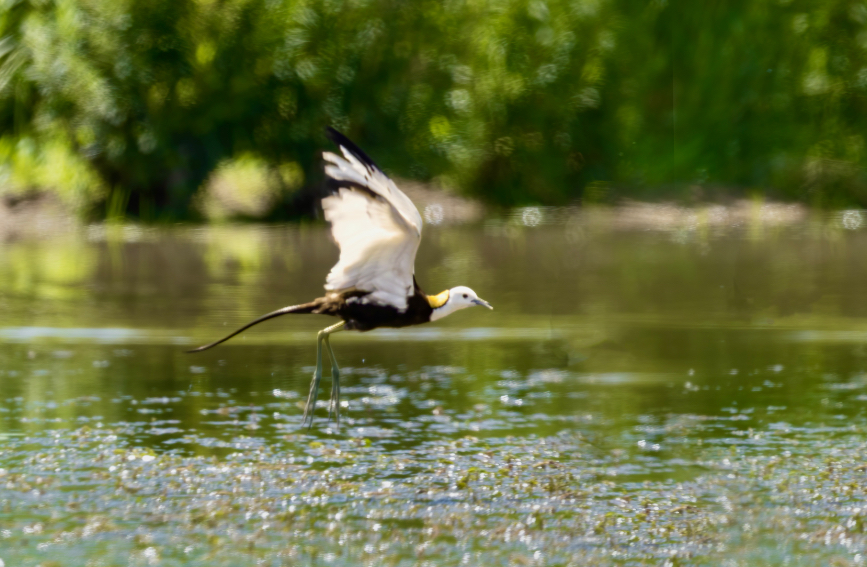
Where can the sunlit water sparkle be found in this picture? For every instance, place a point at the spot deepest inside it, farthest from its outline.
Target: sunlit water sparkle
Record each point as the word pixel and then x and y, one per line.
pixel 687 394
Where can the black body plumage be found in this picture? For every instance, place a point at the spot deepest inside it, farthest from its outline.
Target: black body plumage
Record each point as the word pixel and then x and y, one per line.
pixel 350 306
pixel 362 316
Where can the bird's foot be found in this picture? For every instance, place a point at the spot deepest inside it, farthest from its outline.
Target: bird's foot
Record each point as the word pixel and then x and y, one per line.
pixel 334 402
pixel 310 407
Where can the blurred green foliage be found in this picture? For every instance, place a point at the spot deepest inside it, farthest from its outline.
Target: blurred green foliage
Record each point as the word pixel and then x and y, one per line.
pixel 127 107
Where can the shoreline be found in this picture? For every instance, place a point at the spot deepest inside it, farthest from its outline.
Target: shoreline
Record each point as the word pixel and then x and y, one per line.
pixel 42 214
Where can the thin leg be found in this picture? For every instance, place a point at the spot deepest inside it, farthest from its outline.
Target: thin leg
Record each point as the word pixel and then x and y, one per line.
pixel 314 384
pixel 317 374
pixel 335 383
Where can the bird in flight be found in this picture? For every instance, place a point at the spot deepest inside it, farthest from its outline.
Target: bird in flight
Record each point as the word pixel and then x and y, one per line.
pixel 378 230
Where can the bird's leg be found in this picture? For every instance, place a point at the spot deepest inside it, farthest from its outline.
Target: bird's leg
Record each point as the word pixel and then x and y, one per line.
pixel 335 379
pixel 317 374
pixel 314 384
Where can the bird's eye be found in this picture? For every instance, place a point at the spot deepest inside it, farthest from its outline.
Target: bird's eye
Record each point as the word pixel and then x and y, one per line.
pixel 465 296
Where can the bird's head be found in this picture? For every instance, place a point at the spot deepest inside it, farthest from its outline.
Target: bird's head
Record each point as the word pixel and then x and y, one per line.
pixel 454 299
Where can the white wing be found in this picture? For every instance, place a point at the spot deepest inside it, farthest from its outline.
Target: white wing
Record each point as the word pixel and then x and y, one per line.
pixel 376 227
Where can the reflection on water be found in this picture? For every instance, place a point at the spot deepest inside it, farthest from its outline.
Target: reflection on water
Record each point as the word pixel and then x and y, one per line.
pixel 629 367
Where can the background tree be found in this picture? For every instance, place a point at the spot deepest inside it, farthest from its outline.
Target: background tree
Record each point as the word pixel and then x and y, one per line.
pixel 155 109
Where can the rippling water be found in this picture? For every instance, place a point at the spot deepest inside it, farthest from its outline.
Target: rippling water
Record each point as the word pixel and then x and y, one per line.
pixel 655 385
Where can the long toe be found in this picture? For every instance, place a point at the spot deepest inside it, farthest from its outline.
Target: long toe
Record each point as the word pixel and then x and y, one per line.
pixel 335 396
pixel 335 400
pixel 333 404
pixel 307 405
pixel 307 419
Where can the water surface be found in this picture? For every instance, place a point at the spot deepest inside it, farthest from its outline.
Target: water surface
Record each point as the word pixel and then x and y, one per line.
pixel 681 386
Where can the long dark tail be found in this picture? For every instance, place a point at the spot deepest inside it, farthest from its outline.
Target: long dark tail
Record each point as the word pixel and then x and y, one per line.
pixel 303 308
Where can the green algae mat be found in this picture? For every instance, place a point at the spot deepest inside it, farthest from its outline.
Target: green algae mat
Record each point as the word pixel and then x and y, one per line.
pixel 689 392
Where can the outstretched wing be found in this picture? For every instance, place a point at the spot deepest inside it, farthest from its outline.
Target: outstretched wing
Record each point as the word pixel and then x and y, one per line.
pixel 376 227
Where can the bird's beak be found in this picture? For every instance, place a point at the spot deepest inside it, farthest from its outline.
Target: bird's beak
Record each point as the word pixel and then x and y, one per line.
pixel 483 303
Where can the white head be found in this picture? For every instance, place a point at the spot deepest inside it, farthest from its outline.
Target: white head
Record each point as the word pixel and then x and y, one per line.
pixel 454 299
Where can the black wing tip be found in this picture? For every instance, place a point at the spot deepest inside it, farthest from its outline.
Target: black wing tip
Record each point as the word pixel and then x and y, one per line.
pixel 341 140
pixel 337 136
pixel 334 134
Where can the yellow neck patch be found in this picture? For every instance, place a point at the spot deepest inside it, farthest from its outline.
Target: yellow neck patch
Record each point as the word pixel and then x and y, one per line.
pixel 439 299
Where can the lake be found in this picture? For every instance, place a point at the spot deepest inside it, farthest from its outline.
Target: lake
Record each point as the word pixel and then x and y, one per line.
pixel 656 385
